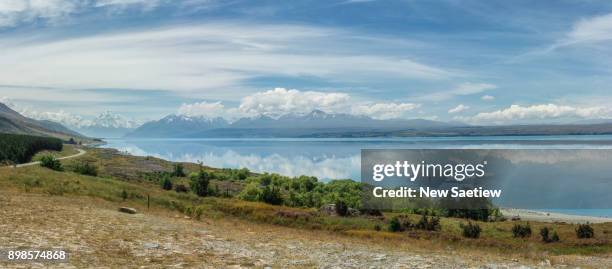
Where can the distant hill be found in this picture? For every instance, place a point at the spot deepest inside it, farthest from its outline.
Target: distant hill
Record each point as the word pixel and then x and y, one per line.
pixel 14 123
pixel 292 125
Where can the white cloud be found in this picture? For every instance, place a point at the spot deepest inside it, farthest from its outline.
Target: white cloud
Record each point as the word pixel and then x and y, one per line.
pixel 466 88
pixel 593 29
pixel 13 12
pixel 281 101
pixel 207 110
pixel 487 97
pixel 458 109
pixel 201 58
pixel 384 110
pixel 7 101
pixel 518 113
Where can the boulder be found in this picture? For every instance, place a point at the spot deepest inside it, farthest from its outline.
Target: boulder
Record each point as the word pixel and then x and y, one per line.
pixel 128 210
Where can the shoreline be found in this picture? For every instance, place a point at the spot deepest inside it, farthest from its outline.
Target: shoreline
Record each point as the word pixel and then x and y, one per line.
pixel 542 216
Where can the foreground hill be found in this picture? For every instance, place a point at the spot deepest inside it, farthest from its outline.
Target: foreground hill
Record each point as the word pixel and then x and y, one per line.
pixel 15 123
pixel 42 208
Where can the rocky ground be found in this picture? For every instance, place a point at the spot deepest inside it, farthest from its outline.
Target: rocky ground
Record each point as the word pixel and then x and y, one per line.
pixel 99 236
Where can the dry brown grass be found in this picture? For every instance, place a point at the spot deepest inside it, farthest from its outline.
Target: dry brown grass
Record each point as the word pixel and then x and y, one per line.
pixel 99 193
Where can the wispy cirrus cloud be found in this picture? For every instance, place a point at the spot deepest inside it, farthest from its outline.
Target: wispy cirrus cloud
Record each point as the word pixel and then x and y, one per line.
pixel 467 88
pixel 203 57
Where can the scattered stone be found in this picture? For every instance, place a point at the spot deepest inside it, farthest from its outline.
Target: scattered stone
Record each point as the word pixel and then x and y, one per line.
pixel 151 245
pixel 127 210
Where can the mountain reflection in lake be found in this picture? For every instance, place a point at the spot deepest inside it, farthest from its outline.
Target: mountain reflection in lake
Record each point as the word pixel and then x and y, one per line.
pixel 324 158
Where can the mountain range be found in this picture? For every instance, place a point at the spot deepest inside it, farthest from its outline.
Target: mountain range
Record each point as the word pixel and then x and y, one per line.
pixel 106 125
pixel 290 125
pixel 13 122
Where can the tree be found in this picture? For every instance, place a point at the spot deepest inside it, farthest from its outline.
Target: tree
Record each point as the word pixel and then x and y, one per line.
pixel 271 195
pixel 178 170
pixel 199 182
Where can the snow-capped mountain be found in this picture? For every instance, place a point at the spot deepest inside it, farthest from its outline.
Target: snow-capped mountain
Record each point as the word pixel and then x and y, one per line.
pixel 106 124
pixel 177 126
pixel 290 125
pixel 109 119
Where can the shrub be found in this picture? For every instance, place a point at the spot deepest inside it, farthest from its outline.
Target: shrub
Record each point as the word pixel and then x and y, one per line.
pixel 341 208
pixel 555 237
pixel 178 170
pixel 521 231
pixel 167 184
pixel 199 183
pixel 400 223
pixel 395 225
pixel 250 192
pixel 180 188
pixel 429 224
pixel 51 162
pixel 271 195
pixel 546 238
pixel 85 168
pixel 585 231
pixel 124 195
pixel 471 230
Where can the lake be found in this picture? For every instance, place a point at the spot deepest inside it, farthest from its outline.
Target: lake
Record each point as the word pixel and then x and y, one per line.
pixel 333 158
pixel 336 158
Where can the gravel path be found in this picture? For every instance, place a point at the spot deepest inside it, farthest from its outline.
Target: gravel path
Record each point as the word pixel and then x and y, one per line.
pixel 81 153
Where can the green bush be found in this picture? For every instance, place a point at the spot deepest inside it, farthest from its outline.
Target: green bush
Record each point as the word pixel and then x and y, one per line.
pixel 546 238
pixel 179 170
pixel 167 184
pixel 271 195
pixel 199 183
pixel 400 223
pixel 471 230
pixel 251 192
pixel 585 231
pixel 341 208
pixel 51 162
pixel 521 231
pixel 395 225
pixel 85 168
pixel 429 224
pixel 555 237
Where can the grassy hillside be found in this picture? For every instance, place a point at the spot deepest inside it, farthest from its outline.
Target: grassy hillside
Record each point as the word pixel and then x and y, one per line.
pixel 133 181
pixel 20 148
pixel 14 123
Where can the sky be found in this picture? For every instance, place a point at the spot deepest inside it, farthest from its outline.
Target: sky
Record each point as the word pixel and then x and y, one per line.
pixel 478 62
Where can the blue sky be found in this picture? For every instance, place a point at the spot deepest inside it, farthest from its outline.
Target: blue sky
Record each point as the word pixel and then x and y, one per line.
pixel 481 62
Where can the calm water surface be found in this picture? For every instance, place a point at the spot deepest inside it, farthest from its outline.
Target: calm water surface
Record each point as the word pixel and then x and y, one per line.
pixel 337 158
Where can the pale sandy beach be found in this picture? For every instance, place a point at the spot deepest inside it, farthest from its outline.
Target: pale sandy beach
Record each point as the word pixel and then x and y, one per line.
pixel 534 215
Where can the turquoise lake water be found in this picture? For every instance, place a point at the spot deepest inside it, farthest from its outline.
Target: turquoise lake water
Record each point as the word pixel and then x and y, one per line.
pixel 335 158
